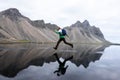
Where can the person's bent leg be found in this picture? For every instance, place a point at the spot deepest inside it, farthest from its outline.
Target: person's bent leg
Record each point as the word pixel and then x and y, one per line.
pixel 67 43
pixel 57 58
pixel 58 43
pixel 67 59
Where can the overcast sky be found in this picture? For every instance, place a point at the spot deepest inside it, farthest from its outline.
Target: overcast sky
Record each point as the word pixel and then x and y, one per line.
pixel 104 14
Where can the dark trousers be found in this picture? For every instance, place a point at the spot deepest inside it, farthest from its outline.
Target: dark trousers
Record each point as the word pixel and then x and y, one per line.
pixel 62 68
pixel 63 39
pixel 62 63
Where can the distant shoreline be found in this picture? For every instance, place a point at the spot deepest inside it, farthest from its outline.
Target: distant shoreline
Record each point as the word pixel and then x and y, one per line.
pixel 115 44
pixel 23 42
pixel 26 41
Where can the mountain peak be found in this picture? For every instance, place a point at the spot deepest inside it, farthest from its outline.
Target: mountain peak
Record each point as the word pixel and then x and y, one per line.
pixel 12 13
pixel 86 23
pixel 77 24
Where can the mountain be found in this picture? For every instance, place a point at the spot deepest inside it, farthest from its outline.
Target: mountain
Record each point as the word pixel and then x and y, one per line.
pixel 15 27
pixel 83 32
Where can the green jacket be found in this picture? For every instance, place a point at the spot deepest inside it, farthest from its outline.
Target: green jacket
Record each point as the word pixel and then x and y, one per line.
pixel 60 34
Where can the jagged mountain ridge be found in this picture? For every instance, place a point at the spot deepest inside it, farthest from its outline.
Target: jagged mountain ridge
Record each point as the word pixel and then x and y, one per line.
pixel 15 26
pixel 84 30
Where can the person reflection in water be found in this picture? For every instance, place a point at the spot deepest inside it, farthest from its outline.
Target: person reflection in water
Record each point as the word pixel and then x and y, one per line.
pixel 62 68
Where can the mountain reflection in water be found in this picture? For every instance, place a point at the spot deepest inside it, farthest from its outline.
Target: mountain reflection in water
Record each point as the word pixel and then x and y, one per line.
pixel 16 57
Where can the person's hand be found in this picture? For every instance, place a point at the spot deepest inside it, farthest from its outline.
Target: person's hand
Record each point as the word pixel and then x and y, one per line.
pixel 58 28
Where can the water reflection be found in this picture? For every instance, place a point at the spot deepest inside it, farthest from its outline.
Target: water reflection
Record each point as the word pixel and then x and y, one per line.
pixel 62 68
pixel 16 57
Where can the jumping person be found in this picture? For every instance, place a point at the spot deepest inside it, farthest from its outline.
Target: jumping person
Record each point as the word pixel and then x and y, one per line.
pixel 62 68
pixel 62 35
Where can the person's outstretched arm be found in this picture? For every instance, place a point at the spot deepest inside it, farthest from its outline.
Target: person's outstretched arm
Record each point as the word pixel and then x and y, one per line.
pixel 56 31
pixel 66 67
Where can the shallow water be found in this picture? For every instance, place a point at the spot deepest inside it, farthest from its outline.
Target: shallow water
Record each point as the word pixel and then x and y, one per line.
pixel 37 62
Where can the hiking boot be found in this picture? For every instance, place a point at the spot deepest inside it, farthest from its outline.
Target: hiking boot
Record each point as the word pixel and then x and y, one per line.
pixel 55 48
pixel 71 57
pixel 55 54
